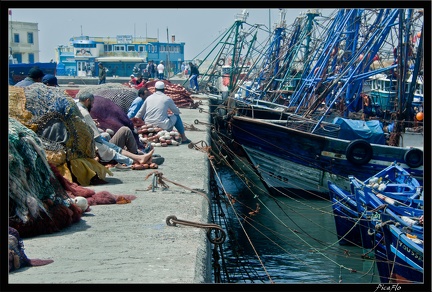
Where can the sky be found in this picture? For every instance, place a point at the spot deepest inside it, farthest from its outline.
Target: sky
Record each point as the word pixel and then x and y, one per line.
pixel 197 28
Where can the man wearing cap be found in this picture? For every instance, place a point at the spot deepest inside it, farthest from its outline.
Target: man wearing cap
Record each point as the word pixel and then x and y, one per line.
pixel 132 81
pixel 160 69
pixel 50 80
pixel 154 111
pixel 35 75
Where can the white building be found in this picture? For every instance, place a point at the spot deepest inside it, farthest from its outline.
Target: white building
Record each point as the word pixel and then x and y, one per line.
pixel 23 42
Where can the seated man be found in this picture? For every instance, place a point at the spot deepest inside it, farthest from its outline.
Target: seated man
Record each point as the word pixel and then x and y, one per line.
pixel 50 80
pixel 143 93
pixel 34 75
pixel 108 150
pixel 132 81
pixel 154 111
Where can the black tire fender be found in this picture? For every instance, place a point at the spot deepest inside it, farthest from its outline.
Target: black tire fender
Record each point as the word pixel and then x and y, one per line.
pixel 359 152
pixel 414 157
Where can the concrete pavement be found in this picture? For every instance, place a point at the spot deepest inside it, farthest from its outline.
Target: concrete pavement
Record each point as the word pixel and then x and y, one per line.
pixel 132 243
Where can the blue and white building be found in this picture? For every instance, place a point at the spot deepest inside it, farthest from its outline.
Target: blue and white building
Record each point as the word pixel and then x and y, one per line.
pixel 118 54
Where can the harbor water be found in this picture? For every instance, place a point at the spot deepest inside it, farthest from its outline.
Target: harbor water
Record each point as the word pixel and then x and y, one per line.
pixel 288 241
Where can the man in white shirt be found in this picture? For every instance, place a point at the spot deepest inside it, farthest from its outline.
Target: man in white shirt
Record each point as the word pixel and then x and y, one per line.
pixel 160 69
pixel 154 111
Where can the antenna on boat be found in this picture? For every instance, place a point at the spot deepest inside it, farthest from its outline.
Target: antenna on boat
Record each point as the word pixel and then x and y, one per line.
pixel 81 30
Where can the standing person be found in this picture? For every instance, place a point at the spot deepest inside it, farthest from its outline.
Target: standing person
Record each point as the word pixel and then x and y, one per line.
pixel 154 111
pixel 102 74
pixel 186 70
pixel 34 75
pixel 145 75
pixel 114 72
pixel 143 93
pixel 182 68
pixel 193 77
pixel 151 68
pixel 160 69
pixel 50 80
pixel 112 150
pixel 135 70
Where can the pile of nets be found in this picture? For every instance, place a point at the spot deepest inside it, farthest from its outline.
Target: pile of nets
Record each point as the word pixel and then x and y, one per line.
pixel 110 116
pixel 121 95
pixel 38 203
pixel 57 121
pixel 181 97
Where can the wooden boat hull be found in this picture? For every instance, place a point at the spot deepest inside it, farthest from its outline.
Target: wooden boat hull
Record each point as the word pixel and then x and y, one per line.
pixel 289 159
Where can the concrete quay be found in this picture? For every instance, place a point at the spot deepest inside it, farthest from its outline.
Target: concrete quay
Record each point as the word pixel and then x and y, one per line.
pixel 132 243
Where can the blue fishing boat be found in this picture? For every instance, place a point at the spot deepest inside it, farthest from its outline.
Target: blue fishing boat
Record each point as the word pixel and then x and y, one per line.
pixel 403 251
pixel 317 135
pixel 346 216
pixel 391 196
pixel 402 254
pixel 354 209
pixel 393 185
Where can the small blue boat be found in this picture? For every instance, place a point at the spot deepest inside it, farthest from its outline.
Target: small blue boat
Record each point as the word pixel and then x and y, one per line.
pixel 392 188
pixel 391 197
pixel 403 251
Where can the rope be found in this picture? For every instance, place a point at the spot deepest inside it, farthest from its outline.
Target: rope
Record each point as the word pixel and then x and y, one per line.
pixel 242 226
pixel 159 178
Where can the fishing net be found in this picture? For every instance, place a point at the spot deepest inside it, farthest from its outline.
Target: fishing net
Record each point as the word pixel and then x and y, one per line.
pixel 111 116
pixel 181 97
pixel 38 202
pixel 31 180
pixel 57 121
pixel 121 95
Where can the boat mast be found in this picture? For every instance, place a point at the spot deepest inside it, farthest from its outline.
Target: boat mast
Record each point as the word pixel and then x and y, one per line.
pixel 412 85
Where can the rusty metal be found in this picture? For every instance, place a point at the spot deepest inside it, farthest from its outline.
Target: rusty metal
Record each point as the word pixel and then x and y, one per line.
pixel 203 145
pixel 191 127
pixel 173 221
pixel 196 122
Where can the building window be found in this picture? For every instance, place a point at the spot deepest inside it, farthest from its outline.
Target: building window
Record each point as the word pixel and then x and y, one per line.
pixel 30 37
pixel 131 48
pixel 16 38
pixel 31 58
pixel 18 57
